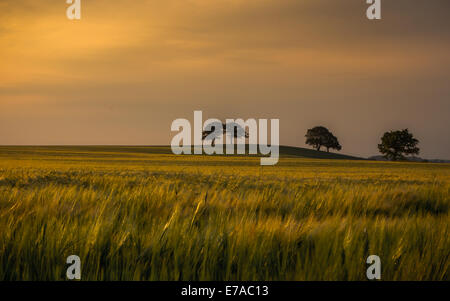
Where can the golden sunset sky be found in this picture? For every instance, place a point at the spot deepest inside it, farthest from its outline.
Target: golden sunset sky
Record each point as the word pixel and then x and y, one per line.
pixel 127 69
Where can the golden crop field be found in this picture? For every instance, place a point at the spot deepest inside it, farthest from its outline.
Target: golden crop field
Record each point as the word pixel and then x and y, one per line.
pixel 143 214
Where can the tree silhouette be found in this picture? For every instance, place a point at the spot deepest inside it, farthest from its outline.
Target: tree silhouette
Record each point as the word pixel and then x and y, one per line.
pixel 320 136
pixel 395 144
pixel 227 128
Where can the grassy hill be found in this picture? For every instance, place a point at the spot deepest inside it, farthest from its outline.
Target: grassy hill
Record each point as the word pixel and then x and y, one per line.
pixel 285 151
pixel 290 151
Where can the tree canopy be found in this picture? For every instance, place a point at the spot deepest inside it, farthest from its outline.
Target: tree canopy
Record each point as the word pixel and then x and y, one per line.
pixel 396 144
pixel 320 136
pixel 227 128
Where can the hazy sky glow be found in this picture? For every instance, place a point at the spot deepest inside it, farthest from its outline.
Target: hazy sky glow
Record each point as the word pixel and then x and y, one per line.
pixel 127 69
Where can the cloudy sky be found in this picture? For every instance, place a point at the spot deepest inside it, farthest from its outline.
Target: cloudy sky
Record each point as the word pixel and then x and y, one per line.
pixel 127 69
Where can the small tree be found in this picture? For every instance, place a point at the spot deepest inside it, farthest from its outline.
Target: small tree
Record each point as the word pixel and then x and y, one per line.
pixel 320 136
pixel 395 144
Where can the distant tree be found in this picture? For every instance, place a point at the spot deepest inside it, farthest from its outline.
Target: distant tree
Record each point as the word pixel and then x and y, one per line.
pixel 320 136
pixel 237 130
pixel 395 144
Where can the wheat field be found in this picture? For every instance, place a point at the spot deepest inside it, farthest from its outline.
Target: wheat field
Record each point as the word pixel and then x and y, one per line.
pixel 143 214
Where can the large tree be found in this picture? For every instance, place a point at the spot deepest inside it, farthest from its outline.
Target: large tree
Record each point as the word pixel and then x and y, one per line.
pixel 396 144
pixel 320 136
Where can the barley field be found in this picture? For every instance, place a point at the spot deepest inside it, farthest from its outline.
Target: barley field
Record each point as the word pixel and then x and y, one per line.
pixel 144 214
